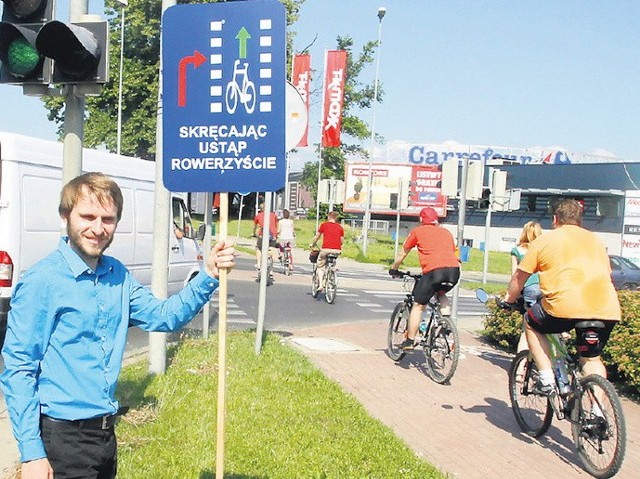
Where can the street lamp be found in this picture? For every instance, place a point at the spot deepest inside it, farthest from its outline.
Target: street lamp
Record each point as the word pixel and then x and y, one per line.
pixel 367 212
pixel 124 3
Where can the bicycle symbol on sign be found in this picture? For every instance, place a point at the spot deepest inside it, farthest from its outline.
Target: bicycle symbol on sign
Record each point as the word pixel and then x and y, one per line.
pixel 246 94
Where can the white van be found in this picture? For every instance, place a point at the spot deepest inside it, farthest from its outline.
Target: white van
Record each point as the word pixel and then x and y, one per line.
pixel 30 226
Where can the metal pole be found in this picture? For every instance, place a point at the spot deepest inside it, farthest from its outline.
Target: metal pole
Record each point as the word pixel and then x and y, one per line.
pixel 324 85
pixel 332 189
pixel 367 211
pixel 400 193
pixel 160 260
pixel 240 217
pixel 262 294
pixel 119 134
pixel 462 209
pixel 206 246
pixel 487 227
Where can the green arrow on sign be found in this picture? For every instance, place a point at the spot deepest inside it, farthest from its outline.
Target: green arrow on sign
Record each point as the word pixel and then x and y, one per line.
pixel 242 37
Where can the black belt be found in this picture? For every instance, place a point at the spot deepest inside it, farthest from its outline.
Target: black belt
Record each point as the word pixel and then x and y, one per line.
pixel 100 422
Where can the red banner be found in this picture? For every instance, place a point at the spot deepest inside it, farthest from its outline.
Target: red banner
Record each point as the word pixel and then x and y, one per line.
pixel 335 73
pixel 301 79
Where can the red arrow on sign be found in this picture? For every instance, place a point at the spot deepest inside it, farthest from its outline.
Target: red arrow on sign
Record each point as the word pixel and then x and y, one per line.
pixel 196 59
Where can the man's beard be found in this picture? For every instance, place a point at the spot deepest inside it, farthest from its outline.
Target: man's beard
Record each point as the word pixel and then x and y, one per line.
pixel 75 239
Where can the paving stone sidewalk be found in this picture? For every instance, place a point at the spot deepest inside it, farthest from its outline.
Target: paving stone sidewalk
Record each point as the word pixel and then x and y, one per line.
pixel 466 428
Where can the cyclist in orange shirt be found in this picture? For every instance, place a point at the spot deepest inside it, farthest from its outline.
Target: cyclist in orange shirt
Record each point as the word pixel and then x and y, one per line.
pixel 258 229
pixel 436 252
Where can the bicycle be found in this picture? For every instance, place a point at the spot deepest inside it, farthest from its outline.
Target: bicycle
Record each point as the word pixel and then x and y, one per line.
pixel 246 94
pixel 437 335
pixel 286 258
pixel 330 278
pixel 590 403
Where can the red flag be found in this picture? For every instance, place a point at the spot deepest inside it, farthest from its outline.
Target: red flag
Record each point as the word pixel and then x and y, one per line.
pixel 335 73
pixel 301 79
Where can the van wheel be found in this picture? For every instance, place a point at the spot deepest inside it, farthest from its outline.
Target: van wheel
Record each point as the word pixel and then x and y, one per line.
pixel 629 287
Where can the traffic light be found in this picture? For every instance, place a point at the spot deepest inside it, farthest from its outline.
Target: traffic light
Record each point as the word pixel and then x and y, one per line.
pixel 34 49
pixel 449 179
pixel 475 175
pixel 79 51
pixel 22 63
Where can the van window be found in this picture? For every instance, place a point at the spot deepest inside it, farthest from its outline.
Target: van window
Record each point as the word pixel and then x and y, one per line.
pixel 181 217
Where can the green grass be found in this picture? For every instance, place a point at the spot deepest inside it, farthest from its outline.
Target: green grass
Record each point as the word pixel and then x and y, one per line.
pixel 380 249
pixel 284 419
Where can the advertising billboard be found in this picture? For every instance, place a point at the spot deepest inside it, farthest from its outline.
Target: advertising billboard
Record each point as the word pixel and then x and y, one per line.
pixel 410 187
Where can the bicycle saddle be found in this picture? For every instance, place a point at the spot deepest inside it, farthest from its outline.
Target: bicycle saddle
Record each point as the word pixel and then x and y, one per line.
pixel 589 324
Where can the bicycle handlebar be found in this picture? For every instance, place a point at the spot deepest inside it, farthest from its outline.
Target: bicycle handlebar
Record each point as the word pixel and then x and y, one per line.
pixel 396 273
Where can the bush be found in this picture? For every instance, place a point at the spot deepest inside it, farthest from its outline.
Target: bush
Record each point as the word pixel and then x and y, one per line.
pixel 622 351
pixel 503 327
pixel 623 348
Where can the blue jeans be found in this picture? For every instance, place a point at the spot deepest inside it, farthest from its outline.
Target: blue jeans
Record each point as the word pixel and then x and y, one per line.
pixel 530 294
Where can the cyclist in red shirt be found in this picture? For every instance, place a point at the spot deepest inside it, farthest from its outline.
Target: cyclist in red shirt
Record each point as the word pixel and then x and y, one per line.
pixel 436 252
pixel 332 237
pixel 258 226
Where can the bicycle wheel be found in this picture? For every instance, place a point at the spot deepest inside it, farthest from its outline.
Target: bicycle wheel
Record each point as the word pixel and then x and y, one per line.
pixel 250 97
pixel 231 97
pixel 532 411
pixel 442 350
pixel 315 283
pixel 289 259
pixel 269 271
pixel 600 438
pixel 330 286
pixel 397 331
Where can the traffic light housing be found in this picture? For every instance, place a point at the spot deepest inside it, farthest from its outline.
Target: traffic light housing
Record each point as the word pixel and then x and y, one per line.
pixel 22 63
pixel 34 49
pixel 79 51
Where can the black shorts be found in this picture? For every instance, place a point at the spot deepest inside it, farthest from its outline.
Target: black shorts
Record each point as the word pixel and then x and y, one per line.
pixel 272 243
pixel 590 341
pixel 440 279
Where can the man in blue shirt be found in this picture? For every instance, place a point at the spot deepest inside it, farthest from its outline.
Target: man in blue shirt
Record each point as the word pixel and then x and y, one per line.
pixel 67 331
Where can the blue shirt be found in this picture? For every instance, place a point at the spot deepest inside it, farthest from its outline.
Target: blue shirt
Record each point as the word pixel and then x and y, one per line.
pixel 66 335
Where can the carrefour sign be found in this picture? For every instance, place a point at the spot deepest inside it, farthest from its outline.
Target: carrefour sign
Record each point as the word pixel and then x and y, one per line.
pixel 437 154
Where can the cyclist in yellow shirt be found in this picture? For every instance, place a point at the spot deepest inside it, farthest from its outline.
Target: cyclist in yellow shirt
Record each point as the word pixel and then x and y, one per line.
pixel 575 281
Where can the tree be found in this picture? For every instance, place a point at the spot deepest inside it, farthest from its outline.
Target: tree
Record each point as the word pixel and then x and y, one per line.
pixel 357 97
pixel 140 81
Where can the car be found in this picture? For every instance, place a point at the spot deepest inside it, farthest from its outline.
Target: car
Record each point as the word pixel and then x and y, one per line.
pixel 301 212
pixel 625 274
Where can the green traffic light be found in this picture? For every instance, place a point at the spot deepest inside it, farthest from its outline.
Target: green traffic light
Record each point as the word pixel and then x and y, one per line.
pixel 22 57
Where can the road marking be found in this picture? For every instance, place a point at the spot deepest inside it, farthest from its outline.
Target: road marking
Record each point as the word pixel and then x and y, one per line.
pixel 243 321
pixel 369 305
pixel 385 293
pixel 385 311
pixel 236 313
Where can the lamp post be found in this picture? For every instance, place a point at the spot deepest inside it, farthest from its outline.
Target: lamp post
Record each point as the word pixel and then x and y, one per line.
pixel 124 3
pixel 367 212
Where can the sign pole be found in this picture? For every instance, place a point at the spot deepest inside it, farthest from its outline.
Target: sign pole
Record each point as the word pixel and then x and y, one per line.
pixel 222 339
pixel 399 202
pixel 264 278
pixel 462 210
pixel 239 217
pixel 206 311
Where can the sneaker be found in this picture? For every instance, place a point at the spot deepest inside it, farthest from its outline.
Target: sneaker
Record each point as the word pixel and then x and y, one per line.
pixel 407 344
pixel 543 389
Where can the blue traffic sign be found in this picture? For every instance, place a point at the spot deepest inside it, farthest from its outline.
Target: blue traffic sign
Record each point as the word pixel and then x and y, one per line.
pixel 223 96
